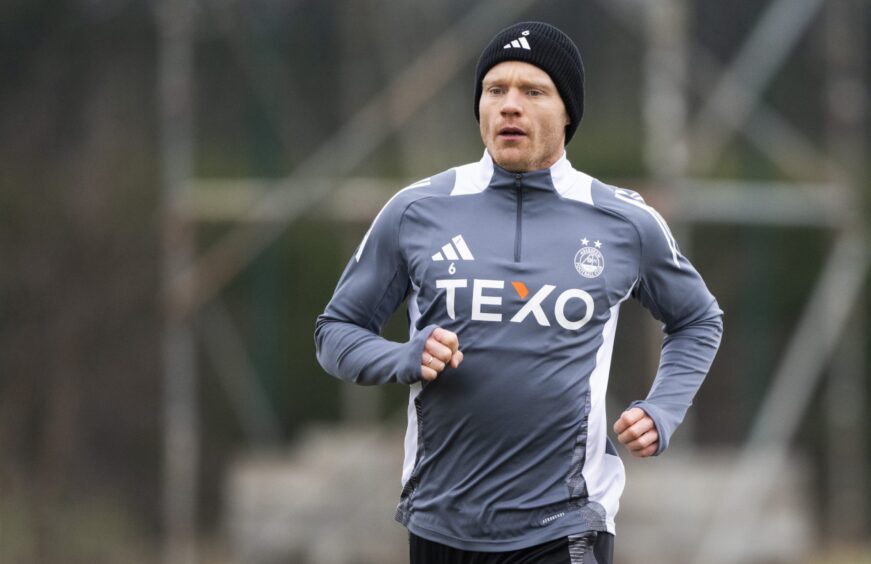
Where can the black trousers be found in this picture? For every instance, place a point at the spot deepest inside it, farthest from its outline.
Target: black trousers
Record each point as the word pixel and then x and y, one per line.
pixel 586 548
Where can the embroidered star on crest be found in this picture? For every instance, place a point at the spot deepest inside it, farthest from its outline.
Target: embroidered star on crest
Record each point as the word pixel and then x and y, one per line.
pixel 585 241
pixel 598 244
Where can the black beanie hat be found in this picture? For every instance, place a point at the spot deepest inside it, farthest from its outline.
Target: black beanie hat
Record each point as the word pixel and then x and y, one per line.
pixel 549 49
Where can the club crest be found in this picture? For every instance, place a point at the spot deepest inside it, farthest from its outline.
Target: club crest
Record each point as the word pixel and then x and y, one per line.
pixel 589 261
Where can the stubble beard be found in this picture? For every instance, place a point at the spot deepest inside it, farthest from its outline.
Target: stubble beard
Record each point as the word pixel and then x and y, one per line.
pixel 511 156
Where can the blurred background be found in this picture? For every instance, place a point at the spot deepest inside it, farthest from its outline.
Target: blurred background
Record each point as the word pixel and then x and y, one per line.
pixel 183 182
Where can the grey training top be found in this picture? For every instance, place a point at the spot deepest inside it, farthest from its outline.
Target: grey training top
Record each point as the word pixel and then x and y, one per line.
pixel 510 449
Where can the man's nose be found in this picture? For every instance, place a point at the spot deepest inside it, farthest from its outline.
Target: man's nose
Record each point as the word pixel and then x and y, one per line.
pixel 511 103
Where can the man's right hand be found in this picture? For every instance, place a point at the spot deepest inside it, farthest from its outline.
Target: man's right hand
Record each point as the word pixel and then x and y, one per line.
pixel 442 348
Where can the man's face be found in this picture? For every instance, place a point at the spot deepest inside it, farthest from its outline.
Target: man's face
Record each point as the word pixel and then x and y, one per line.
pixel 523 118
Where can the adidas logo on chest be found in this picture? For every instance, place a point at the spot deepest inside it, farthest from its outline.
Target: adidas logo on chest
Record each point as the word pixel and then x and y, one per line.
pixel 456 249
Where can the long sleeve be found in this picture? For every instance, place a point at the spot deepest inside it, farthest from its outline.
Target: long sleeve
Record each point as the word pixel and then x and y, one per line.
pixel 373 285
pixel 671 289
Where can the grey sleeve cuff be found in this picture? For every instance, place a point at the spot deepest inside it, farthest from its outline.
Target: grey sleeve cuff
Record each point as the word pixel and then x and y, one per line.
pixel 411 373
pixel 660 419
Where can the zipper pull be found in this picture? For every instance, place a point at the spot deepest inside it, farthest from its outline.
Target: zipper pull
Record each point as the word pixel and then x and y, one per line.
pixel 517 178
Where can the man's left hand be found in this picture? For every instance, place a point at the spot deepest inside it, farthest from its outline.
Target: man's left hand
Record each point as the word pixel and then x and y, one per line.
pixel 637 431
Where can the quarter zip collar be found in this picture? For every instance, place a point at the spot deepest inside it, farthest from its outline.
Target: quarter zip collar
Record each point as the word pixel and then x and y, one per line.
pixel 544 179
pixel 560 178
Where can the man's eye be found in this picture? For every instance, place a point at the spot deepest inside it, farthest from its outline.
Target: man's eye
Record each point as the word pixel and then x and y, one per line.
pixel 495 91
pixel 534 93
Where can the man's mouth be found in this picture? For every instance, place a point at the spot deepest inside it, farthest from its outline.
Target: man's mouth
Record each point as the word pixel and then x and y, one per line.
pixel 511 133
